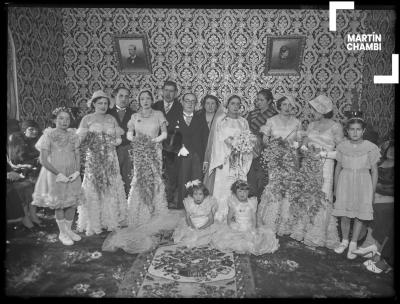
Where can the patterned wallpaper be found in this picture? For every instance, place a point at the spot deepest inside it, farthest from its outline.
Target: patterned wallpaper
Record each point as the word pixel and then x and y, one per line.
pixel 377 100
pixel 219 51
pixel 38 39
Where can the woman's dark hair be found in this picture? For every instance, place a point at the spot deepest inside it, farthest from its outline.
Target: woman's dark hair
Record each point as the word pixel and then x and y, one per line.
pixel 267 94
pixel 215 98
pixel 144 91
pixel 279 102
pixel 239 184
pixel 96 99
pixel 200 187
pixel 28 124
pixel 232 97
pixel 356 120
pixel 328 115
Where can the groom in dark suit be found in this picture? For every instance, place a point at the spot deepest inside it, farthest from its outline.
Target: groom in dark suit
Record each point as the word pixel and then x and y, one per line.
pixel 194 132
pixel 122 112
pixel 172 110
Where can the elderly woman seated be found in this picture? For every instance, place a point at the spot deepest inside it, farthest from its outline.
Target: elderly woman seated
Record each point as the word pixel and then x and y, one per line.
pixel 379 242
pixel 23 158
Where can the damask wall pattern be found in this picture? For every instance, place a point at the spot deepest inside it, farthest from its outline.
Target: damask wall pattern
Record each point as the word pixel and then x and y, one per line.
pixel 213 51
pixel 38 39
pixel 377 101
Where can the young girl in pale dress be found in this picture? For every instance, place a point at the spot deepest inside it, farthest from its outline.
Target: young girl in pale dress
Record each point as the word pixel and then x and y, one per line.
pixel 59 183
pixel 241 234
pixel 356 176
pixel 197 228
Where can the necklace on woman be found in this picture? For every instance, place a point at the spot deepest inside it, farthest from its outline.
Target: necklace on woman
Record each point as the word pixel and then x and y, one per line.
pixel 147 115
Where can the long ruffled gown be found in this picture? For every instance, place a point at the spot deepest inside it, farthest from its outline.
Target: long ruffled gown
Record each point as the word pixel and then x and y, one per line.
pixel 227 175
pixel 242 236
pixel 323 231
pixel 105 205
pixel 273 212
pixel 186 235
pixel 145 221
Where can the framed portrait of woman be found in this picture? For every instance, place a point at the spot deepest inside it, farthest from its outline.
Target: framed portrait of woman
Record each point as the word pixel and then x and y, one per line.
pixel 133 53
pixel 284 55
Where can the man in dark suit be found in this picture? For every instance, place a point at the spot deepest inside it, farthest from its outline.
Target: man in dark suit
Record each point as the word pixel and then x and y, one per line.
pixel 134 61
pixel 122 112
pixel 194 132
pixel 172 110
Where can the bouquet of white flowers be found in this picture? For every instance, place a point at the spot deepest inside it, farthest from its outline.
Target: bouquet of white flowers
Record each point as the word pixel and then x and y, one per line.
pixel 244 142
pixel 241 145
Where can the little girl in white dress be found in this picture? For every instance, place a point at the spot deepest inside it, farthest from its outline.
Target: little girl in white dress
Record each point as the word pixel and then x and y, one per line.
pixel 198 226
pixel 241 234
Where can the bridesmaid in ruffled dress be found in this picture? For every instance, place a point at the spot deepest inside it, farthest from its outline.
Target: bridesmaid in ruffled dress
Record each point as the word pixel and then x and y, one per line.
pixel 325 134
pixel 105 205
pixel 273 211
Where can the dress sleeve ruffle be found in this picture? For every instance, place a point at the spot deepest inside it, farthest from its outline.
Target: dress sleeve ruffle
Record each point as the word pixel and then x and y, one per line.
pixel 374 154
pixel 366 148
pixel 161 118
pixel 337 131
pixel 74 137
pixel 186 203
pixel 44 141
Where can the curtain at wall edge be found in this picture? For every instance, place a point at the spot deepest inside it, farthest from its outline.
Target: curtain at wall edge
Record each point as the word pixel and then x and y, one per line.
pixel 12 84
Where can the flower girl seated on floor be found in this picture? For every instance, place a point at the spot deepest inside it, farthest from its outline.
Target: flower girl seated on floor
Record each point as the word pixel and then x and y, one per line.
pixel 241 234
pixel 197 227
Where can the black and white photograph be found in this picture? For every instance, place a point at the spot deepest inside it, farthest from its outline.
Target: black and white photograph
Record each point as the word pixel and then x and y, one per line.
pixel 284 55
pixel 133 54
pixel 229 152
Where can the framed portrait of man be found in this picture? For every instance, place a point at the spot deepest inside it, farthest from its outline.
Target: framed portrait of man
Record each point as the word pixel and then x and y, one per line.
pixel 133 53
pixel 284 55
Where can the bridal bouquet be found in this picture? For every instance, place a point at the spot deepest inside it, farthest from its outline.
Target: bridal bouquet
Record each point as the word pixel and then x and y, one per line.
pixel 279 159
pixel 97 149
pixel 147 166
pixel 241 144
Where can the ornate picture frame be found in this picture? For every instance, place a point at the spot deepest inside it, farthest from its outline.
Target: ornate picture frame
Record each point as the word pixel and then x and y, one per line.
pixel 133 53
pixel 284 55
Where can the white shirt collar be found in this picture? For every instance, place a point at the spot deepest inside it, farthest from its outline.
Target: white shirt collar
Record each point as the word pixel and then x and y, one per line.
pixel 187 115
pixel 119 108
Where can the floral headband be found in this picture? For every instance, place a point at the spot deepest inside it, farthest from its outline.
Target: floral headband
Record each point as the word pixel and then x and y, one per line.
pixel 56 111
pixel 196 182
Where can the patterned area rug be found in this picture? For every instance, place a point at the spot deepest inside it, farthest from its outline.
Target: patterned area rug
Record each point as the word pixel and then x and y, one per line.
pixel 174 271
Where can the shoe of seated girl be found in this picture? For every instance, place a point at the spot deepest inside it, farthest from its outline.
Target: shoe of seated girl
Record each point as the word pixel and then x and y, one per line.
pixel 368 262
pixel 379 267
pixel 363 251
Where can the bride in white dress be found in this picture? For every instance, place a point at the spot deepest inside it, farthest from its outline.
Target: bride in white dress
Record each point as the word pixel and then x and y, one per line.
pixel 147 205
pixel 226 127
